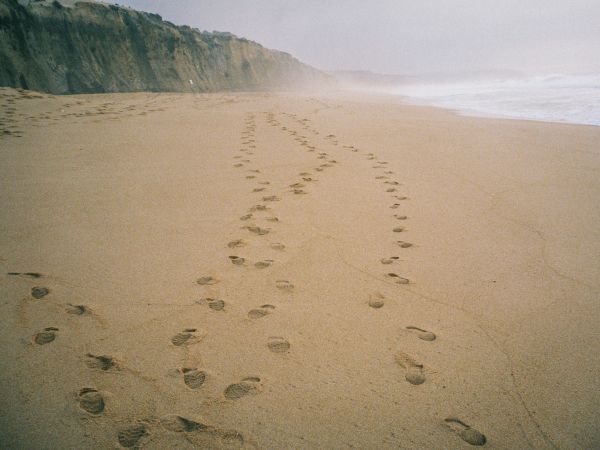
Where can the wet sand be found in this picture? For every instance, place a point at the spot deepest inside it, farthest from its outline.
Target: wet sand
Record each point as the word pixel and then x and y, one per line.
pixel 295 271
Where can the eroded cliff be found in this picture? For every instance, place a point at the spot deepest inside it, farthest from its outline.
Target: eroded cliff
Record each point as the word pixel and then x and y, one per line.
pixel 87 47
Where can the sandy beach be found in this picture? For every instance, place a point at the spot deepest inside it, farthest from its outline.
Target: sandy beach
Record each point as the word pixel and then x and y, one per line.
pixel 294 271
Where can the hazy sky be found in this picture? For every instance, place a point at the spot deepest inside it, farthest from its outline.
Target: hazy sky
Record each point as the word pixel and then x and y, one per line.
pixel 408 36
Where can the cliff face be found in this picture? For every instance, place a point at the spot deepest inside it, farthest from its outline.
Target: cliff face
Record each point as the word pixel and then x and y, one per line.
pixel 89 47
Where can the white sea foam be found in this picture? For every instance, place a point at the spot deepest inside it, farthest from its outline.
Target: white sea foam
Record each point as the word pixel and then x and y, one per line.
pixel 553 98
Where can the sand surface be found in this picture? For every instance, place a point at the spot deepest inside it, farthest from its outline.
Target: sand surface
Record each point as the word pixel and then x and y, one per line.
pixel 235 271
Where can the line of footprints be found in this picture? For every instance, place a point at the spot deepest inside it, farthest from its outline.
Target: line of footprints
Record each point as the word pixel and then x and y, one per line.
pixel 92 401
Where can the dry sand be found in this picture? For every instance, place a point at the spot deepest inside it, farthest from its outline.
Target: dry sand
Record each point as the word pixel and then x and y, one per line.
pixel 224 271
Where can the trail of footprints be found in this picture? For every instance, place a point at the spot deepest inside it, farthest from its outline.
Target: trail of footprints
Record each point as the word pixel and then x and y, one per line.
pixel 92 401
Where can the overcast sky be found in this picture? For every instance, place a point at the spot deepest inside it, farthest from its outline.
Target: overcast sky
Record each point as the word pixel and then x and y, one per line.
pixel 408 36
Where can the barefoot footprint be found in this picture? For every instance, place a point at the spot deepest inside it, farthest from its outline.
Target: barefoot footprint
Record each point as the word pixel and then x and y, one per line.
pixel 414 371
pixel 423 334
pixel 466 433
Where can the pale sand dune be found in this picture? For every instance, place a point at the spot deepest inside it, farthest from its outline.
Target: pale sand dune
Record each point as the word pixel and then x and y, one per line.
pixel 286 271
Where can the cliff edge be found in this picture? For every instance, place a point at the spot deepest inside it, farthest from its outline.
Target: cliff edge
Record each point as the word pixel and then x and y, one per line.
pixel 90 47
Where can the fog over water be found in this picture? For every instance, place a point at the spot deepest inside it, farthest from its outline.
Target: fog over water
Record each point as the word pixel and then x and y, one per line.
pixel 532 58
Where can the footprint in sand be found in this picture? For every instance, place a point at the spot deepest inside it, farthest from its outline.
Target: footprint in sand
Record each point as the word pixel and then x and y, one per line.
pixel 466 433
pixel 77 310
pixel 91 401
pixel 376 301
pixel 193 378
pixel 390 190
pixel 397 278
pixel 258 189
pixel 46 336
pixel 299 192
pixel 271 198
pixel 207 281
pixel 404 244
pixel 130 436
pixel 277 246
pixel 260 312
pixel 272 219
pixel 180 424
pixel 278 345
pixel 414 372
pixel 389 260
pixel 236 260
pixel 258 230
pixel 236 243
pixel 259 208
pixel 101 362
pixel 284 285
pixel 422 334
pixel 39 292
pixel 264 264
pixel 248 386
pixel 184 337
pixel 398 230
pixel 400 217
pixel 246 217
pixel 215 304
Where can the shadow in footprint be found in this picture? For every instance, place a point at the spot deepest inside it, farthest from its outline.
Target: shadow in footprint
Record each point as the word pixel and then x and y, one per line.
pixel 39 292
pixel 397 278
pixel 423 334
pixel 207 281
pixel 180 424
pixel 414 371
pixel 101 362
pixel 78 310
pixel 376 301
pixel 46 336
pixel 284 285
pixel 248 386
pixel 389 260
pixel 91 401
pixel 278 345
pixel 193 378
pixel 466 433
pixel 184 337
pixel 129 437
pixel 260 312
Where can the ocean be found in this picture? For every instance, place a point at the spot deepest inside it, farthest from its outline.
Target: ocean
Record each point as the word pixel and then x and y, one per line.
pixel 551 98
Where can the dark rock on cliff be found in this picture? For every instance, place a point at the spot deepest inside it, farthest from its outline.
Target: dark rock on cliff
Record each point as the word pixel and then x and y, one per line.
pixel 87 47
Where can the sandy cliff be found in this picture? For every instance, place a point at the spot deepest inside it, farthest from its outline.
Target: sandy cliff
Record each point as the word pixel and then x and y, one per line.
pixel 89 47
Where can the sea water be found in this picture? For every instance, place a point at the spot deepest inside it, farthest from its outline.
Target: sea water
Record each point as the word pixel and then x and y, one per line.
pixel 551 98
